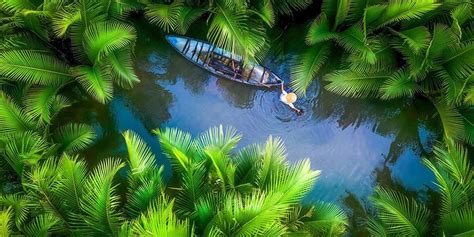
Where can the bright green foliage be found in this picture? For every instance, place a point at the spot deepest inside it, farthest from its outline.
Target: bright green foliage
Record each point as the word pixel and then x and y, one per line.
pixel 96 33
pixel 237 26
pixel 400 215
pixel 216 190
pixel 396 49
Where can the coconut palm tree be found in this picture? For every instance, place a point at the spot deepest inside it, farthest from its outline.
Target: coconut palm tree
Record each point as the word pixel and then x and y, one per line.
pixel 214 191
pixel 401 215
pixel 394 49
pixel 54 43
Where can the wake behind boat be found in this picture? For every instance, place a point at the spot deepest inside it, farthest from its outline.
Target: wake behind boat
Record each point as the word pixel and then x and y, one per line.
pixel 223 63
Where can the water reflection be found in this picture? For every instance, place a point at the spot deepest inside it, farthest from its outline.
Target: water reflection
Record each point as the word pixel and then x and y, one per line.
pixel 357 144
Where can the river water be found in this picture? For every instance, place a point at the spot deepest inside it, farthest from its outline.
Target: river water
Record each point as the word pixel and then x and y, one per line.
pixel 356 143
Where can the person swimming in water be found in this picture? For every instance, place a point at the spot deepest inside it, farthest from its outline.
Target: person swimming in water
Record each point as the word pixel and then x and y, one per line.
pixel 289 99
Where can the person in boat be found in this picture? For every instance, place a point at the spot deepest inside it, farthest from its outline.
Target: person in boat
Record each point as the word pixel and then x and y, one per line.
pixel 236 68
pixel 289 99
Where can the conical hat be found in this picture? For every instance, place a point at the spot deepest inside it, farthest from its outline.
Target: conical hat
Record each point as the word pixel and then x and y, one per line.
pixel 291 97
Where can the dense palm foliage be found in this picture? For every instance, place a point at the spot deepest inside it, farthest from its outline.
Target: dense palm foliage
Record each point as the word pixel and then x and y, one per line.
pixel 398 214
pixel 49 44
pixel 394 49
pixel 215 192
pixel 237 26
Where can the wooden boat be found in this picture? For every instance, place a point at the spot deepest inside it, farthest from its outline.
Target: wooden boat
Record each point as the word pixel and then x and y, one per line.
pixel 222 63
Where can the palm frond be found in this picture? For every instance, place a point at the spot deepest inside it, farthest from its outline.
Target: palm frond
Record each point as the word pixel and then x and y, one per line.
pixel 74 137
pixel 220 138
pixel 140 157
pixel 43 103
pixel 401 215
pixel 42 225
pixel 178 147
pixel 458 60
pixel 25 148
pixel 307 67
pixel 451 119
pixel 64 19
pixel 6 222
pixel 355 84
pixel 142 194
pixel 273 161
pixel 100 214
pixel 460 15
pixel 343 7
pixel 187 16
pixel 404 10
pixel 234 30
pixel 72 174
pixel 287 7
pixel 101 39
pixel 293 183
pixel 19 204
pixel 13 6
pixel 121 64
pixel 166 16
pixel 96 81
pixel 400 84
pixel 13 118
pixel 324 219
pixel 417 38
pixel 33 67
pixel 160 220
pixel 319 30
pixel 354 41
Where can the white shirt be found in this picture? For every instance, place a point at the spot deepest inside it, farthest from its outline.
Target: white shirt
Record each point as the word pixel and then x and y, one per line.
pixel 283 99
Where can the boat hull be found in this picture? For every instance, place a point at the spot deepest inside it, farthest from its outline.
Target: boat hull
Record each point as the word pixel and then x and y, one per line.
pixel 204 55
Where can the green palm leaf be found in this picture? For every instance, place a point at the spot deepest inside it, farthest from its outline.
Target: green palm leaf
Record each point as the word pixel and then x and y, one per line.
pixel 401 215
pixel 96 81
pixel 451 119
pixel 123 74
pixel 13 118
pixel 178 147
pixel 101 39
pixel 23 149
pixel 74 137
pixel 71 184
pixel 458 60
pixel 293 183
pixel 273 161
pixel 140 158
pixel 63 20
pixel 417 38
pixel 44 103
pixel 233 29
pixel 160 220
pixel 354 41
pixel 166 16
pixel 186 16
pixel 308 66
pixel 324 219
pixel 17 5
pixel 403 10
pixel 355 84
pixel 42 225
pixel 6 222
pixel 141 195
pixel 400 84
pixel 319 30
pixel 33 67
pixel 289 6
pixel 19 204
pixel 224 140
pixel 100 214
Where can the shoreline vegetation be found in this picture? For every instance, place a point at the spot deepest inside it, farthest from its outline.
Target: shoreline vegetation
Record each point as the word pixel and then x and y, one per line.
pixel 55 53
